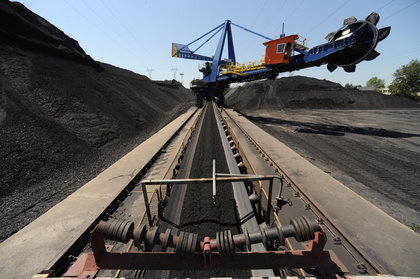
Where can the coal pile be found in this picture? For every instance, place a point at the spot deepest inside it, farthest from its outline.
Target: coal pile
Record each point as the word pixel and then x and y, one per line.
pixel 65 117
pixel 309 93
pixel 24 29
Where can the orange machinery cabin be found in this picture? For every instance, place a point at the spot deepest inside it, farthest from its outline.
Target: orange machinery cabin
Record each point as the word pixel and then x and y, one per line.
pixel 279 50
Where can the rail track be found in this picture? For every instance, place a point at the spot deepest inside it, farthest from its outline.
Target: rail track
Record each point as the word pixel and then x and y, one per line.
pixel 186 199
pixel 299 203
pixel 210 179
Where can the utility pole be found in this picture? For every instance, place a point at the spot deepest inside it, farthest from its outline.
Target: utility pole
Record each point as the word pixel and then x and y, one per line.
pixel 150 70
pixel 174 70
pixel 182 78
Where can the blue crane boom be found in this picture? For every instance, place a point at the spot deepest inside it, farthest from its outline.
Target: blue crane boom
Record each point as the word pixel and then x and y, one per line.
pixel 354 42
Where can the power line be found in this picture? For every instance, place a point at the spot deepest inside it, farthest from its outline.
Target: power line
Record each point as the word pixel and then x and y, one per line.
pixel 294 11
pixel 245 43
pixel 385 5
pixel 123 25
pixel 82 15
pixel 402 51
pixel 110 27
pixel 404 54
pixel 252 26
pixel 97 27
pixel 326 18
pixel 400 10
pixel 259 14
pixel 280 9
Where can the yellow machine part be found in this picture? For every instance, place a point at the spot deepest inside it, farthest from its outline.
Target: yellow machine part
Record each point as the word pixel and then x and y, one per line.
pixel 174 51
pixel 240 68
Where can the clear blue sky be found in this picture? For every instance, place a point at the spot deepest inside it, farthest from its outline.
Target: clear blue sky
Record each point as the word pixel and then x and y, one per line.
pixel 137 34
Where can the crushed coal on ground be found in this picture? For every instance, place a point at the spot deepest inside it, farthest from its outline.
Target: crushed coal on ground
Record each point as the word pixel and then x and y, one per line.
pixel 65 117
pixel 368 141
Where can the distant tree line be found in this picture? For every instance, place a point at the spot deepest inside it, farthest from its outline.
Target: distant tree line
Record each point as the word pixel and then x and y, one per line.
pixel 351 86
pixel 376 83
pixel 406 80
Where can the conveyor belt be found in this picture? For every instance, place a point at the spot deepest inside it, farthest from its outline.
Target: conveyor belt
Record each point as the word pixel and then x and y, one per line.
pixel 199 213
pixel 192 208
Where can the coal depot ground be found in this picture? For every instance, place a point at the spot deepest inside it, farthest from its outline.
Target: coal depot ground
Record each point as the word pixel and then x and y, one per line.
pixel 371 145
pixel 199 213
pixel 65 117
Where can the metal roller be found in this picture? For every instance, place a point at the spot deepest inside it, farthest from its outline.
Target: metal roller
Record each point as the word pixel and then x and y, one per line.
pixel 304 229
pixel 263 229
pixel 194 243
pixel 301 228
pixel 127 232
pixel 165 238
pixel 247 240
pixel 139 235
pixel 180 242
pixel 152 237
pixel 225 242
pixel 118 230
pixel 106 227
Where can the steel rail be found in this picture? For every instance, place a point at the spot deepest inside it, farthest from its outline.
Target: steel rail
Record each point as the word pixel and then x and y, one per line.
pixel 178 194
pixel 174 212
pixel 262 190
pixel 79 243
pixel 184 143
pixel 308 199
pixel 243 204
pixel 221 177
pixel 216 177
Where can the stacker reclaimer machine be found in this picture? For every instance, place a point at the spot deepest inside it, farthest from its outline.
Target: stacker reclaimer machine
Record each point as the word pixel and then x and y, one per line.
pixel 354 42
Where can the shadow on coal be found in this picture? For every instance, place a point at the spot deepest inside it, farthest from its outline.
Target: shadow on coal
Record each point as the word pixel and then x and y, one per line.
pixel 332 130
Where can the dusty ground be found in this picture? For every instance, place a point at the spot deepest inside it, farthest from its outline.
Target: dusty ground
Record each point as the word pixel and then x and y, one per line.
pixel 376 153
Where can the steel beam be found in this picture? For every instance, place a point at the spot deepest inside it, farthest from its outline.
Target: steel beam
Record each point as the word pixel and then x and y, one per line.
pixel 222 177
